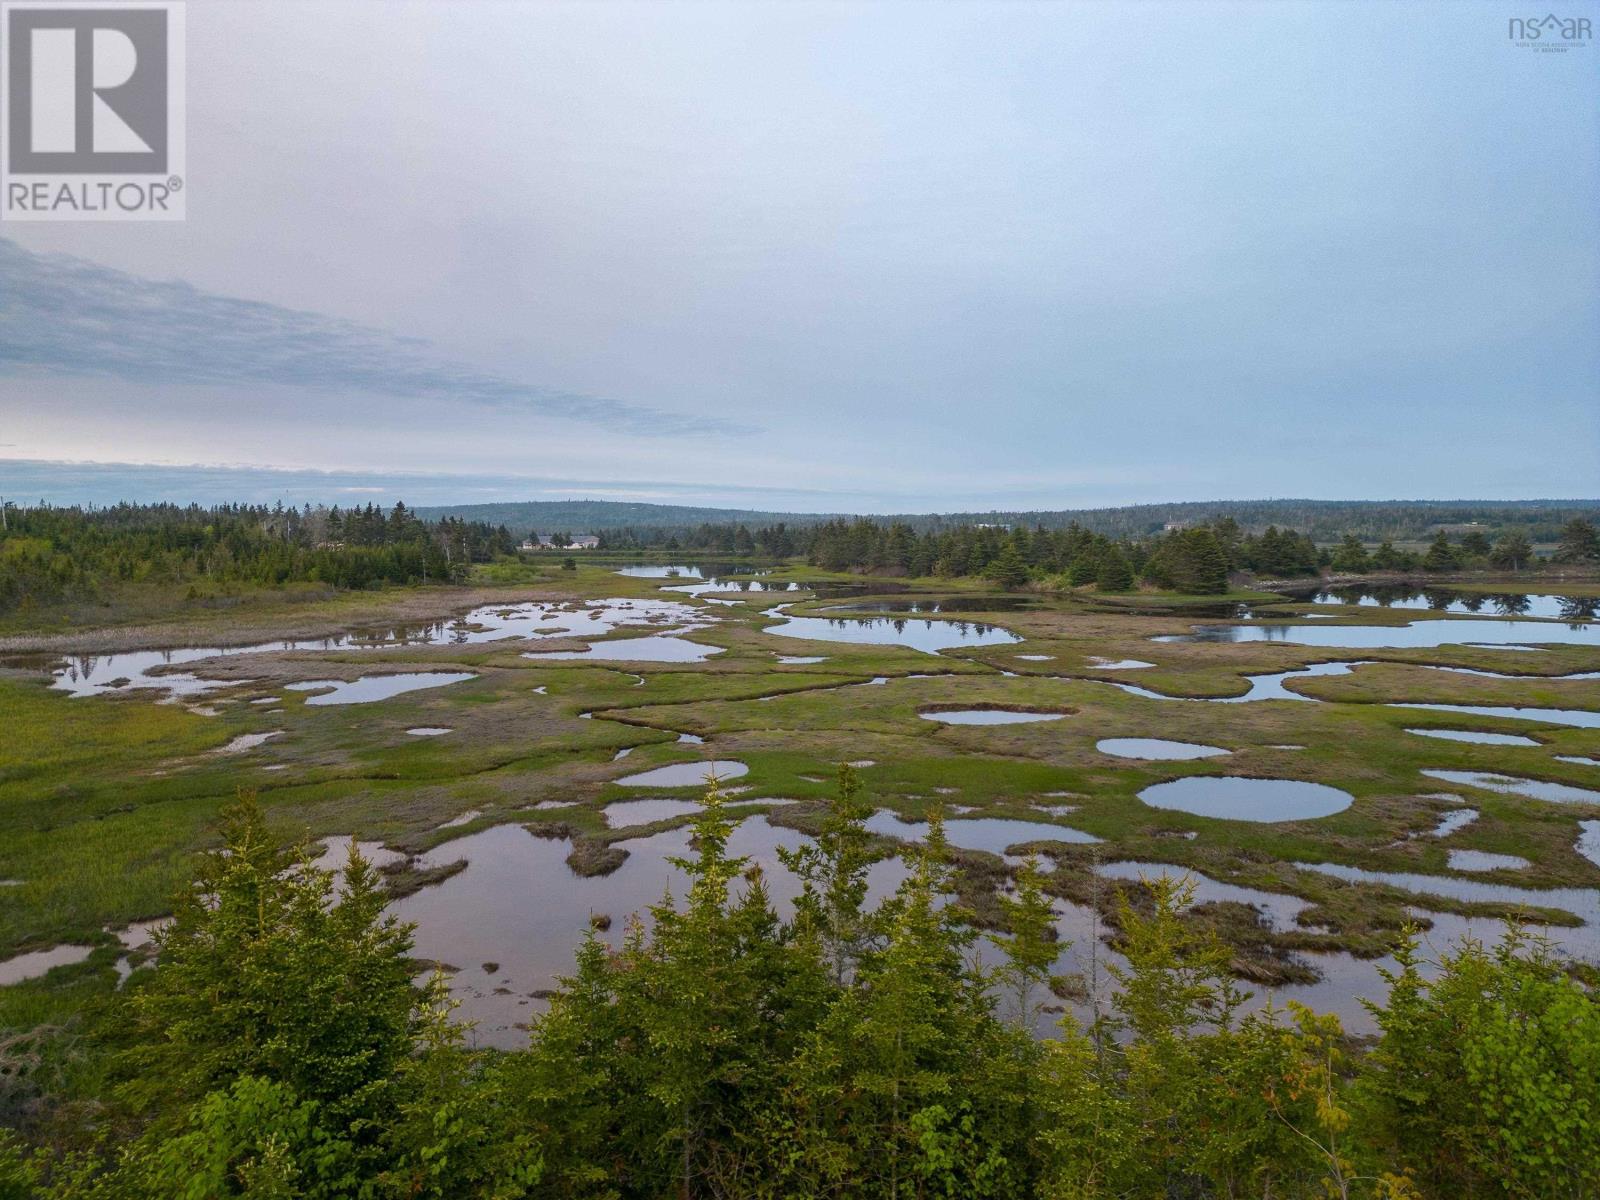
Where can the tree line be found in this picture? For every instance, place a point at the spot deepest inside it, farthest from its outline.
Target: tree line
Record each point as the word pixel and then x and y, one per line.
pixel 49 554
pixel 279 1047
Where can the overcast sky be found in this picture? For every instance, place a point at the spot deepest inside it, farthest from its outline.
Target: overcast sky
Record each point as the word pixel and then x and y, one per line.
pixel 843 256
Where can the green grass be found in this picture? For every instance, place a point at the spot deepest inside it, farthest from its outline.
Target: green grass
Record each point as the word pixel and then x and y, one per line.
pixel 104 800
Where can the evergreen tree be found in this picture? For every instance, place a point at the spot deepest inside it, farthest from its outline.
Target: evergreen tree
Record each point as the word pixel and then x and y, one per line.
pixel 1441 555
pixel 1112 572
pixel 1512 552
pixel 1579 542
pixel 1351 557
pixel 1007 569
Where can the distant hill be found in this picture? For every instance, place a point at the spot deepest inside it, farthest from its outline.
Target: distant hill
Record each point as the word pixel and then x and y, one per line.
pixel 594 516
pixel 1324 520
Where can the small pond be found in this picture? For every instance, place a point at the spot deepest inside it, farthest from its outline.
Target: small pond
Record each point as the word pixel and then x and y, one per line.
pixel 994 834
pixel 929 636
pixel 1419 634
pixel 658 647
pixel 1580 902
pixel 428 731
pixel 1156 749
pixel 988 716
pixel 1473 735
pixel 519 909
pixel 647 812
pixel 692 774
pixel 1482 860
pixel 1448 600
pixel 1234 798
pixel 1581 718
pixel 1534 789
pixel 371 688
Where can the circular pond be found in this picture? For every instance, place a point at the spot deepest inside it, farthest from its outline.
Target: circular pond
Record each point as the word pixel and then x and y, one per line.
pixel 1236 799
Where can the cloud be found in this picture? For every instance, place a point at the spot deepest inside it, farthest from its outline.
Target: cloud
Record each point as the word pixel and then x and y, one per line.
pixel 61 315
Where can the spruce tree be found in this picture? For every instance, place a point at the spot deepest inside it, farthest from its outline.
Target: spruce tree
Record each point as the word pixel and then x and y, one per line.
pixel 1579 542
pixel 1112 572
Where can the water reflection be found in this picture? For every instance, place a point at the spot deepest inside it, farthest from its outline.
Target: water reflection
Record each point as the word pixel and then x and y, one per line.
pixel 1449 600
pixel 1236 798
pixel 1417 635
pixel 928 636
pixel 519 909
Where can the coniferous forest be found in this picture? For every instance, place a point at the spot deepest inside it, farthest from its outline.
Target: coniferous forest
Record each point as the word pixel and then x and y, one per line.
pixel 285 1044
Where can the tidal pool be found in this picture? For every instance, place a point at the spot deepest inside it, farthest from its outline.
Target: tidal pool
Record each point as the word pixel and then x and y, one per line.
pixel 370 688
pixel 1449 822
pixel 1482 860
pixel 658 647
pixel 1281 909
pixel 1234 798
pixel 96 674
pixel 1473 735
pixel 1589 841
pixel 993 834
pixel 1156 749
pixel 519 907
pixel 1583 903
pixel 1121 664
pixel 1517 785
pixel 39 962
pixel 1580 718
pixel 693 774
pixel 1448 600
pixel 1262 687
pixel 988 716
pixel 646 812
pixel 1417 635
pixel 929 636
pixel 428 731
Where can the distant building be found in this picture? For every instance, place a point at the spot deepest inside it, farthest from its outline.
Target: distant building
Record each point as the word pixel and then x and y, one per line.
pixel 1174 526
pixel 586 542
pixel 536 542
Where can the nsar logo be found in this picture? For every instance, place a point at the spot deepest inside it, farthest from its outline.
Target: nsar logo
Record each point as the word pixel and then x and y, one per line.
pixel 1549 32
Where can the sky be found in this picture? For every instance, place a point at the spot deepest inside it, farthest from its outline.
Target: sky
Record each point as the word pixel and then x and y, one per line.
pixel 836 257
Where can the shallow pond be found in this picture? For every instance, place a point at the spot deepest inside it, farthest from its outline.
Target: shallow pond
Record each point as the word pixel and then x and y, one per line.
pixel 38 962
pixel 994 834
pixel 1418 634
pixel 93 674
pixel 1235 798
pixel 1482 860
pixel 1449 822
pixel 988 716
pixel 693 774
pixel 1155 749
pixel 519 908
pixel 929 636
pixel 1262 687
pixel 1580 902
pixel 1472 735
pixel 1589 841
pixel 647 812
pixel 428 731
pixel 1580 718
pixel 658 647
pixel 371 688
pixel 1534 789
pixel 1281 909
pixel 1446 600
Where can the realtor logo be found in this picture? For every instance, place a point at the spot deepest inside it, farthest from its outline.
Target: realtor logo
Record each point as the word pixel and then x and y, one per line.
pixel 94 121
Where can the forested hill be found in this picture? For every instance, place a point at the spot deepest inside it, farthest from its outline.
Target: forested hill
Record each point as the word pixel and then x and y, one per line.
pixel 596 516
pixel 1323 520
